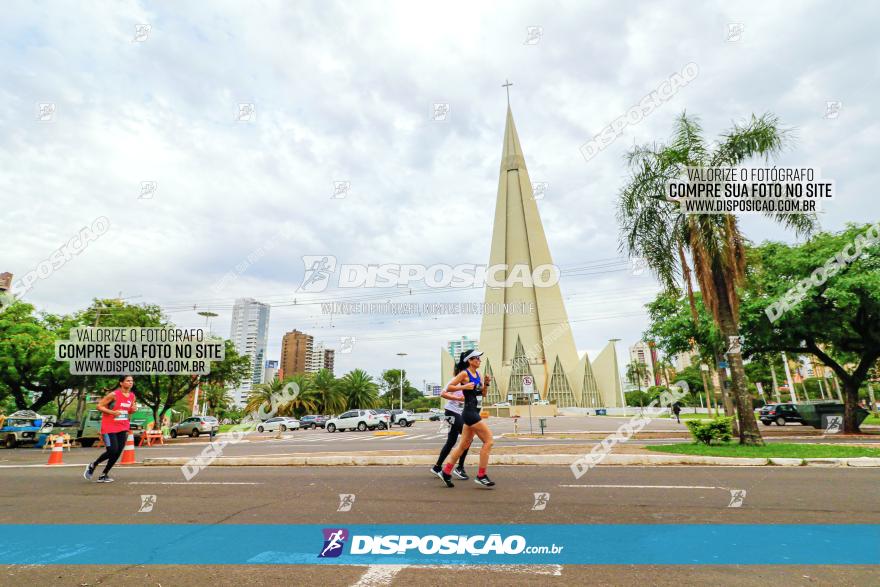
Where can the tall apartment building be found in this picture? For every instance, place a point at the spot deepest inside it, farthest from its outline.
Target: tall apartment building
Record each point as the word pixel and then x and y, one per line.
pixel 250 335
pixel 459 345
pixel 642 352
pixel 296 353
pixel 329 359
pixel 321 358
pixel 682 361
pixel 316 358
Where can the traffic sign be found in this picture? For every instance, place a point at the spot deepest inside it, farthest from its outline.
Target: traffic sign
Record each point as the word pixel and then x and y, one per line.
pixel 528 384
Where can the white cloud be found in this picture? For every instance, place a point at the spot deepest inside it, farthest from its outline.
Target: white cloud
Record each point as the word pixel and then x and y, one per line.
pixel 345 95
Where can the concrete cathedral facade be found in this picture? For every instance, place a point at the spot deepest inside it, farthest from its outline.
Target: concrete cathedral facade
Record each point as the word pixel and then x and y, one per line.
pixel 539 342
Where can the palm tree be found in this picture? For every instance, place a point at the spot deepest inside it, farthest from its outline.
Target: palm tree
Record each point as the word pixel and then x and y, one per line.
pixel 636 372
pixel 327 388
pixel 217 397
pixel 262 395
pixel 359 390
pixel 663 367
pixel 306 399
pixel 655 230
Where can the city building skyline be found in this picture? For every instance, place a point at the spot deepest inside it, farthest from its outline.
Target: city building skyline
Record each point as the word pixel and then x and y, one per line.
pixel 249 332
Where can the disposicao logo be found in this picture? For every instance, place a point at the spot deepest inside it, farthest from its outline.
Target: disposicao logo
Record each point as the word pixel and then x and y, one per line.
pixel 334 542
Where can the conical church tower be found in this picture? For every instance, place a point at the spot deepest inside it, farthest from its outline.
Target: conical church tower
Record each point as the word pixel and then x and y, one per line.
pixel 538 341
pixel 533 337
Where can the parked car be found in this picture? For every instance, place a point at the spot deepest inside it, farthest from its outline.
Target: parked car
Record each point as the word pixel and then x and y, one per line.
pixel 196 425
pixel 313 422
pixel 781 414
pixel 90 427
pixel 502 405
pixel 355 420
pixel 282 423
pixel 402 418
pixel 385 416
pixel 542 402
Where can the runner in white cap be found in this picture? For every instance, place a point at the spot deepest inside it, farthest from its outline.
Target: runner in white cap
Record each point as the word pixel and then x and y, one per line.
pixel 469 365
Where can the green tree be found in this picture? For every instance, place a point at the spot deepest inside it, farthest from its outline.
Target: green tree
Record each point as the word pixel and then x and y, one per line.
pixel 636 371
pixel 307 399
pixel 656 230
pixel 389 386
pixel 332 400
pixel 359 389
pixel 680 324
pixel 838 321
pixel 28 369
pixel 263 396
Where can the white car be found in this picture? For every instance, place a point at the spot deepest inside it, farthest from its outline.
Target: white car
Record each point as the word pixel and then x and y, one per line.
pixel 355 420
pixel 542 402
pixel 281 423
pixel 502 405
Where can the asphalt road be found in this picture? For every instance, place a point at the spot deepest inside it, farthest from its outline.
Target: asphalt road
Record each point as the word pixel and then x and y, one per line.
pixel 423 436
pixel 310 495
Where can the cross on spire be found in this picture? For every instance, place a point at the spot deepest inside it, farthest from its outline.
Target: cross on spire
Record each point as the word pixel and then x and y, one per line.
pixel 506 86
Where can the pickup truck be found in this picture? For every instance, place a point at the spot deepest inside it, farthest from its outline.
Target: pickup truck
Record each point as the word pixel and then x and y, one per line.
pixel 90 427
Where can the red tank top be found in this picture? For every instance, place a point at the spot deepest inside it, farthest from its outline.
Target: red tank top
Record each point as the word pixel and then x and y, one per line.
pixel 118 423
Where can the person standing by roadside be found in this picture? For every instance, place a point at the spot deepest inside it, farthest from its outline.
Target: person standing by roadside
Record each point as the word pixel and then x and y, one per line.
pixel 116 407
pixel 676 409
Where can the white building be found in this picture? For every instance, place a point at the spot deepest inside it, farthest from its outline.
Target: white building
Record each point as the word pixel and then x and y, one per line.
pixel 459 345
pixel 250 335
pixel 682 361
pixel 641 353
pixel 270 371
pixel 319 358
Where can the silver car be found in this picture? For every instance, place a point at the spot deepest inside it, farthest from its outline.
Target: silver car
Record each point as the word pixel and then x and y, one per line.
pixel 196 425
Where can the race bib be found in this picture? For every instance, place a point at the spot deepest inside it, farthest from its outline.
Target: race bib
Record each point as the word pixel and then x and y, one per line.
pixel 123 417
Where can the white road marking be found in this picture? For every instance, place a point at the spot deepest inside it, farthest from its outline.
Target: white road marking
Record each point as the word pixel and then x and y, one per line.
pixel 192 483
pixel 378 575
pixel 647 486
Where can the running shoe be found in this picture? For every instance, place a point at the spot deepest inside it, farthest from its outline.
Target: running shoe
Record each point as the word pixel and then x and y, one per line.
pixel 484 481
pixel 435 470
pixel 447 478
pixel 105 479
pixel 460 474
pixel 87 474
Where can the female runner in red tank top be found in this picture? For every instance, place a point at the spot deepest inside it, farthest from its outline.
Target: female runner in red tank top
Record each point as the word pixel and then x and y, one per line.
pixel 115 407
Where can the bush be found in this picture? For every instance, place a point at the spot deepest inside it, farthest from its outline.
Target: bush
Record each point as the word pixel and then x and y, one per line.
pixel 717 429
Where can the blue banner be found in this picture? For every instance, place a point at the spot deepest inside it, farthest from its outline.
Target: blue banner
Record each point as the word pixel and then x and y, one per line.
pixel 359 544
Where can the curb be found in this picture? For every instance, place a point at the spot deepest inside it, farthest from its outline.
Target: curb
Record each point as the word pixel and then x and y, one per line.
pixel 564 459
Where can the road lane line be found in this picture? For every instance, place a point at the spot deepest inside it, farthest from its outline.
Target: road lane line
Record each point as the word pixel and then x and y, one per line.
pixel 647 486
pixel 376 575
pixel 192 483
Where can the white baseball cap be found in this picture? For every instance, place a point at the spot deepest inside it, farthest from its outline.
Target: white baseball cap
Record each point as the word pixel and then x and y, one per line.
pixel 473 354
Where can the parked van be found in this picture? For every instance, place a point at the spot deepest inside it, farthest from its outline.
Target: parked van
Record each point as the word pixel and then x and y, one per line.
pixel 90 427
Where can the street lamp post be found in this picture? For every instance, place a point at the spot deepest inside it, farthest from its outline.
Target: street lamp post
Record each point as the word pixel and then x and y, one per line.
pixel 614 341
pixel 401 355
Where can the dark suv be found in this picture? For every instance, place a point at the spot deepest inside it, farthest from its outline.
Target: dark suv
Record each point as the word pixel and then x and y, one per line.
pixel 312 422
pixel 780 413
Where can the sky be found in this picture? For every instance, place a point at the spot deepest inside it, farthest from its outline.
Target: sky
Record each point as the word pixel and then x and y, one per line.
pixel 195 136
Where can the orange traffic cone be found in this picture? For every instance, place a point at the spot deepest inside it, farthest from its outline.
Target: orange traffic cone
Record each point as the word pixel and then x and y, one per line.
pixel 55 457
pixel 128 452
